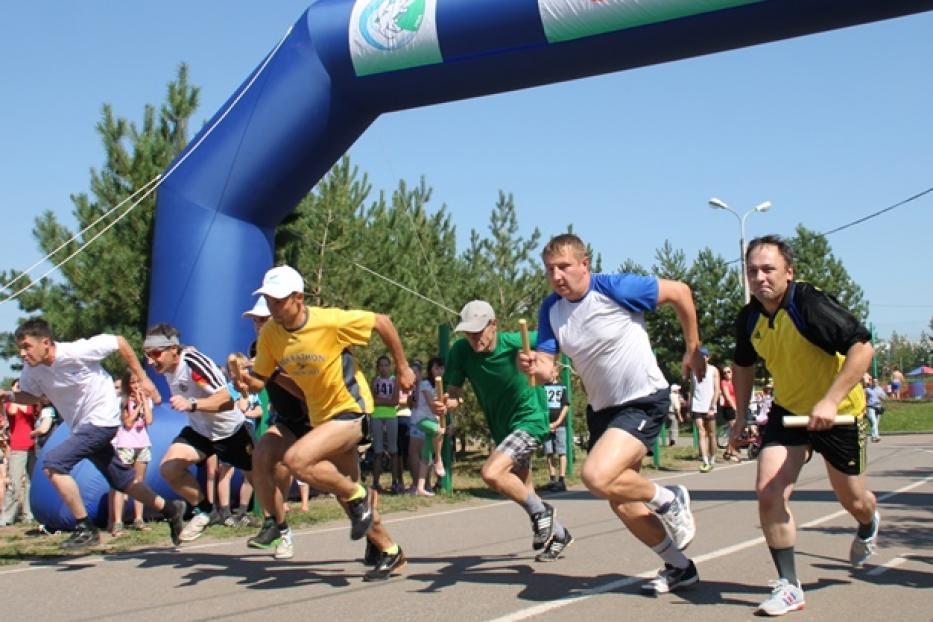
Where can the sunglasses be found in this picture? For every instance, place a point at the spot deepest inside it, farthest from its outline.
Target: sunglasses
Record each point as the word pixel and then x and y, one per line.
pixel 154 354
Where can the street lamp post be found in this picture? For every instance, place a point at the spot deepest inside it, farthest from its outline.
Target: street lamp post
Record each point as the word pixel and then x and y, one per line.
pixel 761 207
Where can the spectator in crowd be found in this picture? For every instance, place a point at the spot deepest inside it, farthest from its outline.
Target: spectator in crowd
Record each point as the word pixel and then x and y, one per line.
pixel 555 445
pixel 426 434
pixel 897 381
pixel 4 452
pixel 674 415
pixel 874 398
pixel 133 448
pixel 249 406
pixel 21 420
pixel 727 399
pixel 385 423
pixel 703 402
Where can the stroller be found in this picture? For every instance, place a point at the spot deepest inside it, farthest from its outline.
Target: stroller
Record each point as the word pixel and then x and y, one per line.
pixel 749 439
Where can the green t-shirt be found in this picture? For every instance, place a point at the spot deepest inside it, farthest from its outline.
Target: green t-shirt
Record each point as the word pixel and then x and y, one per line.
pixel 508 401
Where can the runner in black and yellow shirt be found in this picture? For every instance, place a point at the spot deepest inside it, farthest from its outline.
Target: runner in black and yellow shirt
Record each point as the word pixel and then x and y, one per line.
pixel 313 346
pixel 817 352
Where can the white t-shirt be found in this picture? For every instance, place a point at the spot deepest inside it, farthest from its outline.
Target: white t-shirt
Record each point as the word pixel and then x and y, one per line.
pixel 422 409
pixel 604 334
pixel 703 392
pixel 198 376
pixel 76 384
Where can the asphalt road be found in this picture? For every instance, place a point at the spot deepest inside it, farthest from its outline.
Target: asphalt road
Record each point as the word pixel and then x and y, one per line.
pixel 474 562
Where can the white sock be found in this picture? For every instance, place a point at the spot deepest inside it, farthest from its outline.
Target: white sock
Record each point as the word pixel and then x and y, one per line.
pixel 662 497
pixel 670 553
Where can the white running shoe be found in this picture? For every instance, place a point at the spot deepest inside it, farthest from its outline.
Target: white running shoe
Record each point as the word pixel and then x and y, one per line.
pixel 678 519
pixel 862 549
pixel 285 549
pixel 785 597
pixel 195 527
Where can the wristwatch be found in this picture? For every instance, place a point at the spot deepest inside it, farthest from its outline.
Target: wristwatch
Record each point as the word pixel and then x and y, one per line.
pixel 192 404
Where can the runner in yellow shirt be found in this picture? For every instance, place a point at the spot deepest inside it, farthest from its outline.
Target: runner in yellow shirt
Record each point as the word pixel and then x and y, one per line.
pixel 313 346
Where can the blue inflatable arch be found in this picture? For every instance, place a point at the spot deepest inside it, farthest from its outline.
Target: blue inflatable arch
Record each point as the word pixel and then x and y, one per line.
pixel 345 62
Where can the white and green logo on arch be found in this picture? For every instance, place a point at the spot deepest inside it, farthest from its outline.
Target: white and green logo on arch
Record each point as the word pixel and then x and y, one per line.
pixel 566 20
pixel 388 35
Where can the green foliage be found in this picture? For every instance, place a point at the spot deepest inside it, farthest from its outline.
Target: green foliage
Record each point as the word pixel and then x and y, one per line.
pixel 106 286
pixel 816 264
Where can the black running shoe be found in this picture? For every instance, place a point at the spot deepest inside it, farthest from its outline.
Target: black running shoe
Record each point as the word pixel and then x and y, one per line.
pixel 670 578
pixel 387 566
pixel 174 514
pixel 371 555
pixel 556 548
pixel 82 537
pixel 268 537
pixel 361 516
pixel 543 525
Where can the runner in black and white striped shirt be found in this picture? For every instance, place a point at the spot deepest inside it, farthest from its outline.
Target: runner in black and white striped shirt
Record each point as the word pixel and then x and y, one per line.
pixel 214 427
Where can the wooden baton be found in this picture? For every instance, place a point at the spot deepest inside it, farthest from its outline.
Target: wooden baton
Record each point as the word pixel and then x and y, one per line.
pixel 526 346
pixel 439 395
pixel 798 421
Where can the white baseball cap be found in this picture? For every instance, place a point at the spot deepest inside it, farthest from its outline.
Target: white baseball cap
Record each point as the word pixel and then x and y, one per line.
pixel 281 282
pixel 474 316
pixel 260 309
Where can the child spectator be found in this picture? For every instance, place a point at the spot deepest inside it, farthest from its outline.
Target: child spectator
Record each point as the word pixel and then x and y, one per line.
pixel 133 448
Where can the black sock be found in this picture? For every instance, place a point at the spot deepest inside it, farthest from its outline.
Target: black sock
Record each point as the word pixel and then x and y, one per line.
pixel 224 511
pixel 784 562
pixel 865 531
pixel 84 523
pixel 553 478
pixel 204 506
pixel 168 511
pixel 283 526
pixel 561 479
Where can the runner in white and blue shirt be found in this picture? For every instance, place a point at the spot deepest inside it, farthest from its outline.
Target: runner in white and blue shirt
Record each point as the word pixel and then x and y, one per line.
pixel 598 321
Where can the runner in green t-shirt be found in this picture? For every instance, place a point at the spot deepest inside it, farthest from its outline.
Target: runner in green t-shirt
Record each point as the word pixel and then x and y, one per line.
pixel 516 413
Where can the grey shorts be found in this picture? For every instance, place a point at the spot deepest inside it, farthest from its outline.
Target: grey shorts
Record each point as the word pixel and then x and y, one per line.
pixel 556 442
pixel 385 435
pixel 520 447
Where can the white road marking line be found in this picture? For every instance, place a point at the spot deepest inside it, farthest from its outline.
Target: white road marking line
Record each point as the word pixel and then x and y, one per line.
pixel 894 563
pixel 529 612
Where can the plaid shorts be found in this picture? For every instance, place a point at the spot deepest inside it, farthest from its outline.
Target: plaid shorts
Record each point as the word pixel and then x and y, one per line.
pixel 519 446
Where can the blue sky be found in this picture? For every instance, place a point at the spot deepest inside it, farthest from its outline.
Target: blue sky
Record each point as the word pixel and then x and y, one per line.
pixel 829 127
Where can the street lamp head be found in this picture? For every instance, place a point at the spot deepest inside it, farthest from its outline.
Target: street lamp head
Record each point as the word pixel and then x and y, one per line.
pixel 718 203
pixel 763 207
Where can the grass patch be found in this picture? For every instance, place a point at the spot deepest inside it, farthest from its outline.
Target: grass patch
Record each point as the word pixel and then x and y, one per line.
pixel 907 416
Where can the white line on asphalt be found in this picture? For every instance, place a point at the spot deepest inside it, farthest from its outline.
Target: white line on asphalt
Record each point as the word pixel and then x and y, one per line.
pixel 524 614
pixel 894 563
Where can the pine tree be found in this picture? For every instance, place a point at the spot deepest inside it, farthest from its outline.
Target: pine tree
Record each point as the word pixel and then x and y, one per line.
pixel 105 287
pixel 815 263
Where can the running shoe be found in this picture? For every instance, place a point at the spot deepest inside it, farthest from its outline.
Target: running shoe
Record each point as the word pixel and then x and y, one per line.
pixel 371 555
pixel 387 566
pixel 285 548
pixel 556 548
pixel 785 597
pixel 361 516
pixel 706 467
pixel 268 536
pixel 82 537
pixel 195 527
pixel 543 525
pixel 174 513
pixel 678 519
pixel 863 548
pixel 671 578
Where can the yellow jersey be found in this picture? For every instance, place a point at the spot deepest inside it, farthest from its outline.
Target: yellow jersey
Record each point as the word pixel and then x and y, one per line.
pixel 318 357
